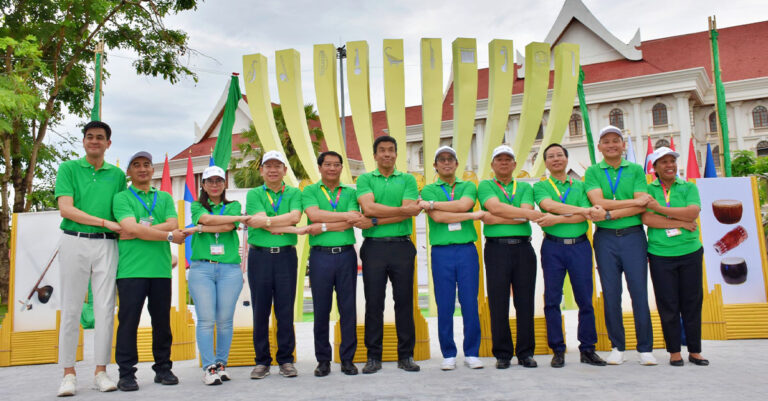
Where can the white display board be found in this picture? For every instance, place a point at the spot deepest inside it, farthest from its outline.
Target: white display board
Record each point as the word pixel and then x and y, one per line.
pixel 729 195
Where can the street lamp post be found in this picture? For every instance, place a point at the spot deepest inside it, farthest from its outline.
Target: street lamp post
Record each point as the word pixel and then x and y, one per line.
pixel 341 54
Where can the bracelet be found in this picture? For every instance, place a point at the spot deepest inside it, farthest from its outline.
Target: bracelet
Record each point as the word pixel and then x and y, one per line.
pixel 103 221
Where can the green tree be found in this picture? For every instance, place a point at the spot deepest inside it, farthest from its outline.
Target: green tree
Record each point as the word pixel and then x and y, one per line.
pixel 743 163
pixel 248 176
pixel 47 61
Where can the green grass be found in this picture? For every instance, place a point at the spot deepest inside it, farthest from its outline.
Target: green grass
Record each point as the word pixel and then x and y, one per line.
pixel 3 311
pixel 425 312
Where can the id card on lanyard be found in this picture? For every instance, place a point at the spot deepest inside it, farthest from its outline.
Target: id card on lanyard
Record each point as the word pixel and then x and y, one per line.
pixel 509 198
pixel 564 196
pixel 614 185
pixel 275 205
pixel 451 226
pixel 334 204
pixel 218 249
pixel 671 232
pixel 146 221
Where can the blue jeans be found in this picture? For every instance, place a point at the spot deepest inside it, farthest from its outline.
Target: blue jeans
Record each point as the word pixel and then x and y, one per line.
pixel 576 259
pixel 626 254
pixel 454 265
pixel 214 288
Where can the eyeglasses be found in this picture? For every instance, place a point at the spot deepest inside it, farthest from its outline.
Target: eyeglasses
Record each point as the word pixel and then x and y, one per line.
pixel 445 159
pixel 215 181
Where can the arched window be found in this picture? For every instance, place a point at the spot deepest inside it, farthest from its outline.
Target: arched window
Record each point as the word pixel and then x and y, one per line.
pixel 421 155
pixel 660 143
pixel 760 117
pixel 574 126
pixel 716 155
pixel 540 134
pixel 713 122
pixel 659 111
pixel 616 118
pixel 762 148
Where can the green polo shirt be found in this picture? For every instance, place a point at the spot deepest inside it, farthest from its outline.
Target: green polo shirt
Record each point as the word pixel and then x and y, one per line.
pixel 523 195
pixel 201 242
pixel 681 194
pixel 576 197
pixel 632 181
pixel 313 195
pixel 91 190
pixel 389 191
pixel 257 201
pixel 439 234
pixel 140 258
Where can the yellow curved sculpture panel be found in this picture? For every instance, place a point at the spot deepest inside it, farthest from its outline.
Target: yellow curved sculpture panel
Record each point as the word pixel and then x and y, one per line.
pixel 566 80
pixel 534 98
pixel 394 95
pixel 464 97
pixel 500 79
pixel 431 100
pixel 358 82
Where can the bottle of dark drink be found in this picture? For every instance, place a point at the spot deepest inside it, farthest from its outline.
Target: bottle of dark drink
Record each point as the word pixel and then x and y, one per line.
pixel 731 240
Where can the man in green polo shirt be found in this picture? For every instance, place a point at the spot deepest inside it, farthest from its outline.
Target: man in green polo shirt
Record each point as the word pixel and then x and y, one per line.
pixel 275 208
pixel 619 187
pixel 149 222
pixel 329 205
pixel 84 191
pixel 388 199
pixel 509 258
pixel 566 249
pixel 449 203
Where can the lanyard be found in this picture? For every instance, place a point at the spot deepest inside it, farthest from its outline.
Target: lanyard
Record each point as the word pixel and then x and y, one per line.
pixel 274 205
pixel 506 195
pixel 154 201
pixel 667 192
pixel 614 186
pixel 564 196
pixel 335 204
pixel 453 189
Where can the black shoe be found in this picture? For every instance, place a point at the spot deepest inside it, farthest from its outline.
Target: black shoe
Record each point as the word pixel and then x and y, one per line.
pixel 502 363
pixel 408 365
pixel 558 359
pixel 323 368
pixel 348 368
pixel 528 362
pixel 127 383
pixel 372 366
pixel 166 377
pixel 676 362
pixel 591 357
pixel 698 361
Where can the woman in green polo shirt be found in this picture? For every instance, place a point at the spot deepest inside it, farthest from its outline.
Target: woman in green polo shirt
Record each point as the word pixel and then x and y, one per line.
pixel 675 253
pixel 215 278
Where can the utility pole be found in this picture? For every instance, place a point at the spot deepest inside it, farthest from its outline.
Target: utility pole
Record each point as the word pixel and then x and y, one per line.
pixel 341 54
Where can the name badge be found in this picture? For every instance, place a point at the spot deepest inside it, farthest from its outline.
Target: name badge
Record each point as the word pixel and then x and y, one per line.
pixel 146 221
pixel 673 232
pixel 454 227
pixel 217 249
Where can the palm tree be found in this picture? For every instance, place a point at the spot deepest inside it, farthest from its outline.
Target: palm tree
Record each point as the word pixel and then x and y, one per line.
pixel 247 175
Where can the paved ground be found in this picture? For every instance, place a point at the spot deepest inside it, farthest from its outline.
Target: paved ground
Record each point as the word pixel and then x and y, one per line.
pixel 738 372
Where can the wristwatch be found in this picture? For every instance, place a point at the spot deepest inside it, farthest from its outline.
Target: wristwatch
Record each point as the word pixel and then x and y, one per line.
pixel 431 205
pixel 269 222
pixel 374 221
pixel 323 227
pixel 170 236
pixel 608 215
pixel 199 228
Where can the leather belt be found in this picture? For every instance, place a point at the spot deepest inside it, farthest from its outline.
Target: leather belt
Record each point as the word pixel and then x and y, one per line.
pixel 508 240
pixel 271 249
pixel 566 241
pixel 622 231
pixel 91 235
pixel 403 238
pixel 333 249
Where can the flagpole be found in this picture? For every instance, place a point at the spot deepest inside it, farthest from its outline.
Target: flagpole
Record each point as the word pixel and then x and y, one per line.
pixel 98 63
pixel 721 132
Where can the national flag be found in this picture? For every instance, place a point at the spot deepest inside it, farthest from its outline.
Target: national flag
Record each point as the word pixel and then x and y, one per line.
pixel 585 116
pixel 630 156
pixel 190 195
pixel 672 143
pixel 165 182
pixel 692 170
pixel 709 168
pixel 648 165
pixel 722 114
pixel 223 150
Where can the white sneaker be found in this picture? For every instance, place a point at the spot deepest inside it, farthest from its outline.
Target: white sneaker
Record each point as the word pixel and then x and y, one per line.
pixel 448 364
pixel 103 383
pixel 222 371
pixel 646 358
pixel 68 386
pixel 473 362
pixel 615 358
pixel 211 376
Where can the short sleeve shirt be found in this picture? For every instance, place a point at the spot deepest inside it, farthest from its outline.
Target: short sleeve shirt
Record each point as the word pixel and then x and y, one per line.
pixel 523 195
pixel 201 242
pixel 91 190
pixel 443 233
pixel 569 192
pixel 321 196
pixel 389 191
pixel 632 180
pixel 681 194
pixel 140 258
pixel 263 199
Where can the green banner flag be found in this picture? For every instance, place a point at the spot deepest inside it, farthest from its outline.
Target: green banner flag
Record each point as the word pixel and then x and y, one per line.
pixel 721 108
pixel 96 110
pixel 585 116
pixel 223 150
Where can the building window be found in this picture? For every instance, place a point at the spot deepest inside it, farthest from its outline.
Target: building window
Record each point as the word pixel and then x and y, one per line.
pixel 713 122
pixel 760 117
pixel 762 148
pixel 574 126
pixel 540 134
pixel 659 112
pixel 421 155
pixel 716 155
pixel 616 118
pixel 660 143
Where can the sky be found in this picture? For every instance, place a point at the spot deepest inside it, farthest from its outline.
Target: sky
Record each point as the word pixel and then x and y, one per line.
pixel 148 113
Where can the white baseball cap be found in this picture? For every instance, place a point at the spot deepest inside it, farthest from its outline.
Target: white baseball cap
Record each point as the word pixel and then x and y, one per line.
pixel 213 171
pixel 445 149
pixel 273 155
pixel 610 129
pixel 502 150
pixel 661 152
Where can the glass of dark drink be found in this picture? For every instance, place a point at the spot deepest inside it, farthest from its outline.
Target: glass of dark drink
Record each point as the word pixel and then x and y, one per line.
pixel 734 270
pixel 727 211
